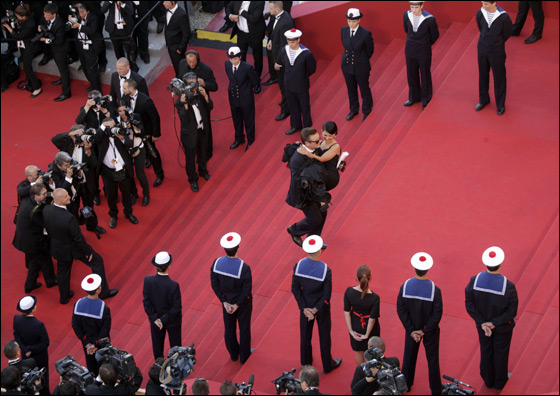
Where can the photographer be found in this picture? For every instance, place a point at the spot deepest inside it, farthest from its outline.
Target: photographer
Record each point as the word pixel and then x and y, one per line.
pixel 11 381
pixel 23 33
pixel 228 388
pixel 95 110
pixel 109 384
pixel 154 386
pixel 200 387
pixel 66 388
pixel 69 177
pixel 309 377
pixel 32 176
pixel 13 352
pixel 119 25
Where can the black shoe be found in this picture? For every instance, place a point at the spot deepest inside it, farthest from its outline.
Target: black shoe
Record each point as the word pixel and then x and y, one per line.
pixel 297 239
pixel 52 284
pixel 44 61
pixel 351 115
pixel 532 39
pixel 334 365
pixel 134 67
pixel 281 116
pixel 250 353
pixel 158 182
pixel 35 286
pixel 235 145
pixel 194 187
pixel 501 110
pixel 62 97
pixel 100 230
pixel 270 81
pixel 206 176
pixel 148 163
pixel 479 106
pixel 280 104
pixel 57 82
pixel 132 219
pixel 160 26
pixel 113 222
pixel 96 200
pixel 408 103
pixel 133 199
pixel 248 145
pixel 145 59
pixel 424 106
pixel 291 131
pixel 70 295
pixel 146 200
pixel 365 116
pixel 36 93
pixel 108 294
pixel 257 89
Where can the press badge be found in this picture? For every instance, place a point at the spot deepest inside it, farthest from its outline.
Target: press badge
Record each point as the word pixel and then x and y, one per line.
pixel 85 46
pixel 120 25
pixel 118 166
pixel 20 44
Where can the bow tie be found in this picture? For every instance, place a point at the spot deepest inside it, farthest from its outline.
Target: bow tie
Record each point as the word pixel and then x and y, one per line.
pixel 123 77
pixel 170 11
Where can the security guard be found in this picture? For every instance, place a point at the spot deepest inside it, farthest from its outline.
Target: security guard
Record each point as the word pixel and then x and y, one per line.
pixel 232 283
pixel 162 303
pixel 312 287
pixel 420 307
pixel 491 300
pixel 243 79
pixel 358 50
pixel 91 320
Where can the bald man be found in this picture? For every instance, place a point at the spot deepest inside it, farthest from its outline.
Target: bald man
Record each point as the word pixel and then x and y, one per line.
pixel 122 74
pixel 67 243
pixel 31 177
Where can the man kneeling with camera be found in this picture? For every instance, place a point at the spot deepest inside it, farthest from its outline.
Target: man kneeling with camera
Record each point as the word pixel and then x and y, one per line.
pixel 108 383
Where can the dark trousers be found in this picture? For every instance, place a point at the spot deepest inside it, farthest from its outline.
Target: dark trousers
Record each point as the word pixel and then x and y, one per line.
pixel 140 171
pixel 89 61
pixel 27 59
pixel 538 16
pixel 241 349
pixel 64 270
pixel 196 154
pixel 306 333
pixel 111 188
pixel 494 354
pixel 140 37
pixel 42 360
pixel 419 78
pixel 246 40
pixel 353 81
pixel 431 346
pixel 244 115
pixel 158 338
pixel 62 65
pixel 156 162
pixel 34 262
pixel 123 45
pixel 300 109
pixel 498 65
pixel 313 222
pixel 271 72
pixel 175 59
pixel 91 363
pixel 283 103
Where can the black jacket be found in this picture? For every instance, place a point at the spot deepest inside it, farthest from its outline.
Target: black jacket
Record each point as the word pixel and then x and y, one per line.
pixel 178 31
pixel 90 330
pixel 92 28
pixel 189 127
pixel 25 32
pixel 31 335
pixel 357 50
pixel 493 40
pixel 359 384
pixel 311 293
pixel 29 236
pixel 91 119
pixel 59 44
pixel 254 16
pixel 162 300
pixel 115 91
pixel 419 44
pixel 127 388
pixel 232 290
pixel 63 142
pixel 241 84
pixel 284 24
pixel 147 110
pixel 127 15
pixel 296 77
pixel 416 314
pixel 203 71
pixel 101 139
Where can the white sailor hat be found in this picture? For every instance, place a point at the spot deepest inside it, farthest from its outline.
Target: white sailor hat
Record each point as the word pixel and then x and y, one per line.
pixel 91 282
pixel 292 34
pixel 422 261
pixel 493 256
pixel 161 259
pixel 353 13
pixel 312 244
pixel 230 240
pixel 232 52
pixel 26 304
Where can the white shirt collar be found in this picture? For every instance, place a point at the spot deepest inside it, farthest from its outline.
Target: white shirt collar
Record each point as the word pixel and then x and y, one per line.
pixel 62 207
pixel 174 9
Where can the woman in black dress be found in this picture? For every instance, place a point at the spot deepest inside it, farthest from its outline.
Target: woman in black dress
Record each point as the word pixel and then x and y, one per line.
pixel 361 310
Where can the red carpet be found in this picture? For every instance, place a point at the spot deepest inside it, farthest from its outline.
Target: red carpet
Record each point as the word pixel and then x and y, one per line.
pixel 445 180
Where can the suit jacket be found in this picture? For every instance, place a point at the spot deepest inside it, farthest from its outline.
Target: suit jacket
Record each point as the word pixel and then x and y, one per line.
pixel 296 163
pixel 419 44
pixel 359 384
pixel 125 388
pixel 23 189
pixel 66 240
pixel 270 23
pixel 31 335
pixel 232 290
pixel 178 31
pixel 189 127
pixel 65 143
pixel 90 119
pixel 59 44
pixel 357 50
pixel 241 84
pixel 493 40
pixel 24 365
pixel 254 16
pixel 29 237
pixel 115 91
pixel 284 24
pixel 102 141
pixel 203 71
pixel 296 77
pixel 311 293
pixel 127 15
pixel 93 29
pixel 147 110
pixel 26 31
pixel 59 180
pixel 162 300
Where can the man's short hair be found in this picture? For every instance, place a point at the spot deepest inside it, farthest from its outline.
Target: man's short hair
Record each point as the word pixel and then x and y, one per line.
pixel 306 133
pixel 200 387
pixel 50 8
pixel 277 4
pixel 310 375
pixel 11 378
pixel 376 342
pixel 68 388
pixel 227 388
pixel 61 158
pixel 420 273
pixel 232 251
pixel 108 374
pixel 94 93
pixel 155 370
pixel 11 349
pixel 131 83
pixel 76 127
pixel 494 268
pixel 36 190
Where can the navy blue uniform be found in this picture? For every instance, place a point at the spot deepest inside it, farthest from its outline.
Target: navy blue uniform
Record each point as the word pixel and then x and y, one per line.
pixel 280 24
pixel 31 335
pixel 493 298
pixel 242 100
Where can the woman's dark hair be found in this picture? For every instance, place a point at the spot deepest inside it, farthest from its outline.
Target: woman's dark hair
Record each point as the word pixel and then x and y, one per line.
pixel 330 127
pixel 23 10
pixel 420 273
pixel 162 268
pixel 364 276
pixel 232 251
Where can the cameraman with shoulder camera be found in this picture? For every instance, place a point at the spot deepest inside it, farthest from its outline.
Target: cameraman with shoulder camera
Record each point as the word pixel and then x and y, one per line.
pixel 154 386
pixel 13 352
pixel 107 382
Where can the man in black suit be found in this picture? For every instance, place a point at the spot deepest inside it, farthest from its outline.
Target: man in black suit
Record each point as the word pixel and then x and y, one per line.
pixel 421 33
pixel 276 43
pixel 194 113
pixel 64 175
pixel 538 17
pixel 24 186
pixel 12 351
pixel 91 114
pixel 232 283
pixel 122 74
pixel 273 75
pixel 309 379
pixel 67 243
pixel 142 32
pixel 298 64
pixel 192 63
pixel 59 47
pixel 358 50
pixel 31 334
pixel 29 238
pixel 177 33
pixel 119 24
pixel 242 79
pixel 249 27
pixel 143 105
pixel 109 384
pixel 162 303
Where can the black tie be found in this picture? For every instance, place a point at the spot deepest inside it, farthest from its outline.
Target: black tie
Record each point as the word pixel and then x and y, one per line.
pixel 234 69
pixel 352 35
pixel 170 11
pixel 123 77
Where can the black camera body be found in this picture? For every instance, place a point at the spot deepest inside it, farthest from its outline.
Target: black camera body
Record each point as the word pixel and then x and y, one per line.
pixel 102 101
pixel 390 379
pixel 76 166
pixel 122 361
pixel 29 378
pixel 71 371
pixel 45 175
pixel 287 382
pixel 178 366
pixel 179 87
pixel 88 135
pixel 245 388
pixel 118 129
pixel 74 17
pixel 43 33
pixel 10 19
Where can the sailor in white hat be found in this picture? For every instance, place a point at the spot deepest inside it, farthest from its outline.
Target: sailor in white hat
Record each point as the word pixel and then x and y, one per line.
pixel 232 283
pixel 312 287
pixel 491 300
pixel 162 304
pixel 420 307
pixel 358 50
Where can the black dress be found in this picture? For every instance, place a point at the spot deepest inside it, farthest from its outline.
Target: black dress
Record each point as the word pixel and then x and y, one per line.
pixel 332 172
pixel 361 310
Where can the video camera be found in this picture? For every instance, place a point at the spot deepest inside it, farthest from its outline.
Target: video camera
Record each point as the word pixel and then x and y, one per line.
pixel 245 388
pixel 179 87
pixel 71 371
pixel 455 388
pixel 43 33
pixel 29 379
pixel 122 361
pixel 287 382
pixel 178 366
pixel 10 19
pixel 390 379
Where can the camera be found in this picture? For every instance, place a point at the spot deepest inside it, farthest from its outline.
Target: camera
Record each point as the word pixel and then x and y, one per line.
pixel 118 129
pixel 178 366
pixel 76 166
pixel 71 371
pixel 10 19
pixel 179 87
pixel 245 388
pixel 43 33
pixel 390 379
pixel 29 379
pixel 74 17
pixel 87 212
pixel 102 101
pixel 45 175
pixel 455 388
pixel 88 135
pixel 122 361
pixel 287 382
